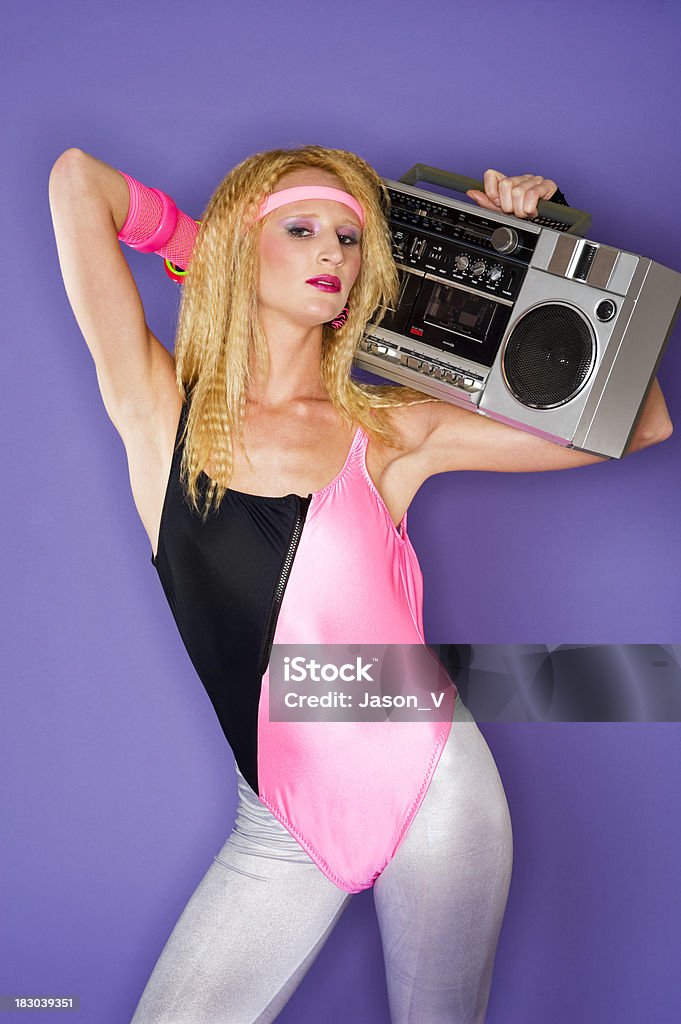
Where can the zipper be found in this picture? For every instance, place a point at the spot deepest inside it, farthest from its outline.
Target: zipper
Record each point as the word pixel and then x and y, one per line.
pixel 303 505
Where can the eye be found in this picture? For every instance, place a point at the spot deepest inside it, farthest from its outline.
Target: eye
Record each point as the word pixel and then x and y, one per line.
pixel 293 230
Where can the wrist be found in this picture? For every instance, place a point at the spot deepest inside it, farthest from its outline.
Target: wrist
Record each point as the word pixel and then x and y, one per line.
pixel 155 224
pixel 151 219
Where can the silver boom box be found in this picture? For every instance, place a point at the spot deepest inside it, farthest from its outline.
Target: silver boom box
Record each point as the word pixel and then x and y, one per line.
pixel 525 321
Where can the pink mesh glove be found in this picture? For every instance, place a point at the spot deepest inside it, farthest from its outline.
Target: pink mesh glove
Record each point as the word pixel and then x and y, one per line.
pixel 155 224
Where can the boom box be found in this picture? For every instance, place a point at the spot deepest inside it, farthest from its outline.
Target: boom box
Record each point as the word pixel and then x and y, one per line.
pixel 526 321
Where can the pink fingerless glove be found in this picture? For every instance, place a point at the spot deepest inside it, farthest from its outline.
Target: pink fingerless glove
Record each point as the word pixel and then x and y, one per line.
pixel 155 224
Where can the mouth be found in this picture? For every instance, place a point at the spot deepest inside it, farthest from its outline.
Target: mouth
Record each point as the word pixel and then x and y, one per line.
pixel 326 283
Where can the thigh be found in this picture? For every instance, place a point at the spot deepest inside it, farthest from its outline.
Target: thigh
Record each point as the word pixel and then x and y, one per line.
pixel 441 899
pixel 248 934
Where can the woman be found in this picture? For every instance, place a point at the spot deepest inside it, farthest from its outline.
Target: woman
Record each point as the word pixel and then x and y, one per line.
pixel 274 491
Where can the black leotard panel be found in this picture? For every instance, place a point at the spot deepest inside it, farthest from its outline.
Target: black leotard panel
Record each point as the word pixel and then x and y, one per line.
pixel 219 580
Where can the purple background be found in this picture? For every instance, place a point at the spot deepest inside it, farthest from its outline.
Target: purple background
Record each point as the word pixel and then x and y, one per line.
pixel 121 785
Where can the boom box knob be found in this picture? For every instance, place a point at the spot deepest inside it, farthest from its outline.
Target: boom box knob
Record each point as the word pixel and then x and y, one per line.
pixel 504 239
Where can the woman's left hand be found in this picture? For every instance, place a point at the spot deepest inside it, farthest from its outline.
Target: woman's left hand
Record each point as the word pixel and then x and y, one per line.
pixel 517 195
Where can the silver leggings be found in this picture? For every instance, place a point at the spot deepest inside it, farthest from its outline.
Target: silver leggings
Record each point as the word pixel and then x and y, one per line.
pixel 263 910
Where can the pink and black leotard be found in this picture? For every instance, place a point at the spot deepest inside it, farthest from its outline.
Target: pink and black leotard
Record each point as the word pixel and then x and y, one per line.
pixel 330 567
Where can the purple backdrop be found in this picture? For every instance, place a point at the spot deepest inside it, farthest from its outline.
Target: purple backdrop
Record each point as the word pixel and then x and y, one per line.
pixel 121 785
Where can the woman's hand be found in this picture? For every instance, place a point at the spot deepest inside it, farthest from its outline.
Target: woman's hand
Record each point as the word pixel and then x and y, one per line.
pixel 517 195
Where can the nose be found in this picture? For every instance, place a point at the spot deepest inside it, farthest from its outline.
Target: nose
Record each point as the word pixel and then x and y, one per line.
pixel 331 249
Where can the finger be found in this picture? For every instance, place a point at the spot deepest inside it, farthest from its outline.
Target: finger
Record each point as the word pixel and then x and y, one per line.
pixel 505 194
pixel 538 188
pixel 523 184
pixel 518 196
pixel 481 199
pixel 491 180
pixel 530 202
pixel 543 189
pixel 513 190
pixel 548 188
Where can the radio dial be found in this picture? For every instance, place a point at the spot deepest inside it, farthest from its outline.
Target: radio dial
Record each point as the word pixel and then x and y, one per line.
pixel 461 262
pixel 495 274
pixel 504 239
pixel 478 269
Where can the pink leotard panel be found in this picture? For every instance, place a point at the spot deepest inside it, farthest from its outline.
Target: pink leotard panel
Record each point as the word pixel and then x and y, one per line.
pixel 349 790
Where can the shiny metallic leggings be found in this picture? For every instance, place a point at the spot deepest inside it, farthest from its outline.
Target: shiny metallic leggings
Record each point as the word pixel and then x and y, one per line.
pixel 262 912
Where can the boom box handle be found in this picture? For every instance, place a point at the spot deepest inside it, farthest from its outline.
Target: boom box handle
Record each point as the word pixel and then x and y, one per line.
pixel 554 215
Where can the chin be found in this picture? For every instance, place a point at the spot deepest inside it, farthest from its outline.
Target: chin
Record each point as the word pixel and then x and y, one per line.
pixel 319 317
pixel 311 321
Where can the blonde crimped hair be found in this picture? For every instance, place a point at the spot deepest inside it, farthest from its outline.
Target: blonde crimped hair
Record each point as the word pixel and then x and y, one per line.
pixel 220 345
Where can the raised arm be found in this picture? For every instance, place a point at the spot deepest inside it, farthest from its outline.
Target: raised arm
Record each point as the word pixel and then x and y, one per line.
pixel 89 204
pixel 458 438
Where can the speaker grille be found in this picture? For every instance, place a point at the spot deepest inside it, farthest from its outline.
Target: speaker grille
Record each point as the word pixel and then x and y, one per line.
pixel 548 356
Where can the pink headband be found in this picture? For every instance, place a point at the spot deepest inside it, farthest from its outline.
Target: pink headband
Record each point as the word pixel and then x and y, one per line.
pixel 292 195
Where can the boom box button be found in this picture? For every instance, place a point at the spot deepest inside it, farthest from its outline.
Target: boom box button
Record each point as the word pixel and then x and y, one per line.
pixel 606 310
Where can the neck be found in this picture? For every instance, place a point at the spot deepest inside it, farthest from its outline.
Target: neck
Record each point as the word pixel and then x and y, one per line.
pixel 295 364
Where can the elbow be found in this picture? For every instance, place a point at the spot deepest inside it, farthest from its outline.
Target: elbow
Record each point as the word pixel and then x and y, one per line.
pixel 70 154
pixel 65 164
pixel 664 432
pixel 650 438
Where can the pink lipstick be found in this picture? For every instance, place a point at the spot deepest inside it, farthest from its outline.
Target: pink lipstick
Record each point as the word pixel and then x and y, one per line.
pixel 326 283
